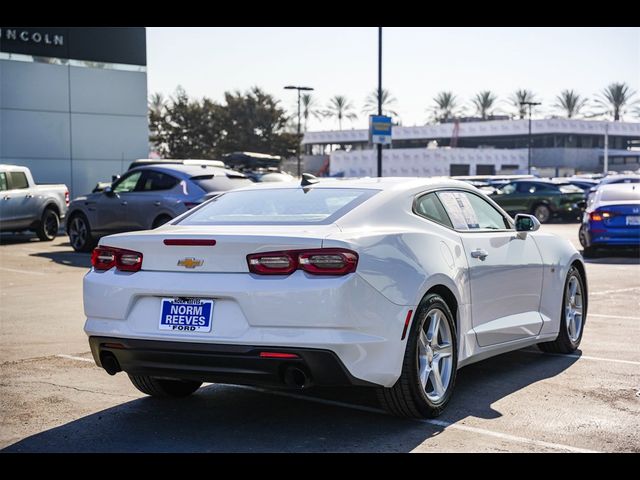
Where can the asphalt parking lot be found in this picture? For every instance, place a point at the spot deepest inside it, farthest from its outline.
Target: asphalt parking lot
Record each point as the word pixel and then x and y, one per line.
pixel 54 399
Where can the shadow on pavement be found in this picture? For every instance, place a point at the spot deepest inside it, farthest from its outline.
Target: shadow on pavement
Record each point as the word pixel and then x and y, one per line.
pixel 220 418
pixel 69 258
pixel 13 238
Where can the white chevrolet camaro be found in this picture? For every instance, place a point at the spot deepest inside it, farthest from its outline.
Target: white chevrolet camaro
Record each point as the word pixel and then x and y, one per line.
pixel 392 283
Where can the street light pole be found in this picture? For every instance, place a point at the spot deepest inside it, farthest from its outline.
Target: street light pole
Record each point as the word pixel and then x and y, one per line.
pixel 292 87
pixel 530 104
pixel 379 95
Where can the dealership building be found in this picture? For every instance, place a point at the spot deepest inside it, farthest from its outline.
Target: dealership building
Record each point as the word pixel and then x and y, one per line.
pixel 559 147
pixel 73 102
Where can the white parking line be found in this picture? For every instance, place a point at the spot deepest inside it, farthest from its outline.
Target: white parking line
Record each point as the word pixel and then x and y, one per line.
pixel 437 423
pixel 583 357
pixel 607 292
pixel 611 316
pixel 21 271
pixel 71 357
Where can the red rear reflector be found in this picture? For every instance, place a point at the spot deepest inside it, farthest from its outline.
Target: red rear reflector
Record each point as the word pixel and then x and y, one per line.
pixel 278 355
pixel 66 197
pixel 118 346
pixel 194 242
pixel 406 324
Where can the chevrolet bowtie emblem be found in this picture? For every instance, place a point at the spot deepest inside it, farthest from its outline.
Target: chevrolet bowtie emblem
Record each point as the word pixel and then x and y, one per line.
pixel 190 262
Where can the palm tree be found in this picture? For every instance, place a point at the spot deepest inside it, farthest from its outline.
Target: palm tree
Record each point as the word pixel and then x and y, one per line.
pixel 340 107
pixel 519 96
pixel 570 103
pixel 484 102
pixel 309 108
pixel 446 106
pixel 371 103
pixel 614 98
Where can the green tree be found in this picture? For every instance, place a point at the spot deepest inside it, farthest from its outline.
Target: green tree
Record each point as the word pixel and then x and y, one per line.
pixel 484 103
pixel 192 128
pixel 519 96
pixel 157 105
pixel 388 101
pixel 254 121
pixel 446 106
pixel 310 108
pixel 614 98
pixel 570 103
pixel 340 107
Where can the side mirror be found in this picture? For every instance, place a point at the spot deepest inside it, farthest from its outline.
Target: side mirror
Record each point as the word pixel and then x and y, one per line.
pixel 526 223
pixel 108 191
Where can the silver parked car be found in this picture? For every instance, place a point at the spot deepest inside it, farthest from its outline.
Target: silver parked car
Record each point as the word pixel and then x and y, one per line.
pixel 144 198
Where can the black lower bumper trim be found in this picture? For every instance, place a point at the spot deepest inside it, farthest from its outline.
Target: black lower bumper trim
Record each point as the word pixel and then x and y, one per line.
pixel 233 364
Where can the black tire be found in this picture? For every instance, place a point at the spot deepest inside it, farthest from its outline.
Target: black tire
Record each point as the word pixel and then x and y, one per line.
pixel 79 232
pixel 563 343
pixel 164 388
pixel 48 225
pixel 161 220
pixel 407 398
pixel 542 212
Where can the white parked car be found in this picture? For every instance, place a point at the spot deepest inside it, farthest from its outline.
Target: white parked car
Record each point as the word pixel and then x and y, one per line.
pixel 391 283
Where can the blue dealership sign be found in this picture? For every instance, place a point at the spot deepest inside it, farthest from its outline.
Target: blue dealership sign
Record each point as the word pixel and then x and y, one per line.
pixel 380 129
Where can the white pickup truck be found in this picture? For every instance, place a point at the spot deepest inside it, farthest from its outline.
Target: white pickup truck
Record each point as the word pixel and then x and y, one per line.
pixel 27 206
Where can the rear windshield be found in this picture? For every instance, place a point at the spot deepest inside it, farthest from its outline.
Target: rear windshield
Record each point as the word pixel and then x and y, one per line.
pixel 620 195
pixel 221 183
pixel 281 206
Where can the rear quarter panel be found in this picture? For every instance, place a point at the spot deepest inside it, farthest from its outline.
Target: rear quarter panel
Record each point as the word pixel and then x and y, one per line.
pixel 405 263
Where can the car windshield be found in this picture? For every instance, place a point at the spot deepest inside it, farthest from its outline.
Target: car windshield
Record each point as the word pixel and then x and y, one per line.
pixel 279 206
pixel 620 195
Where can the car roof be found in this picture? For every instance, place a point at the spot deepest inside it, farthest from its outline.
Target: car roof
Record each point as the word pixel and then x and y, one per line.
pixel 188 171
pixel 396 184
pixel 616 187
pixel 610 178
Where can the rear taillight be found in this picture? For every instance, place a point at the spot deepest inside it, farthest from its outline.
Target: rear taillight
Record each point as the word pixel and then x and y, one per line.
pixel 190 205
pixel 66 198
pixel 322 261
pixel 599 216
pixel 105 258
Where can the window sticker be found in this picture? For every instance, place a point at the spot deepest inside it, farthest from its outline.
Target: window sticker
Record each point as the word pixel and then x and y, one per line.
pixel 462 214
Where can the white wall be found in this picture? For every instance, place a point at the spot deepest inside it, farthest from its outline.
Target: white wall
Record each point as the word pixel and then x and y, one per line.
pixel 72 125
pixel 417 162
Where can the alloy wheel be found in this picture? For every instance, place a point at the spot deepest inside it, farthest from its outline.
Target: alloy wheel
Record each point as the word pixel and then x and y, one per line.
pixel 78 233
pixel 435 355
pixel 573 308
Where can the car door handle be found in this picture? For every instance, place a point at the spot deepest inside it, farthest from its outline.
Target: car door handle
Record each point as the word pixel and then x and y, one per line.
pixel 6 197
pixel 157 204
pixel 29 196
pixel 124 204
pixel 479 253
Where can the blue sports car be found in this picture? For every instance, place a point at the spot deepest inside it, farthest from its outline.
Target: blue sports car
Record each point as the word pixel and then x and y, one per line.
pixel 612 218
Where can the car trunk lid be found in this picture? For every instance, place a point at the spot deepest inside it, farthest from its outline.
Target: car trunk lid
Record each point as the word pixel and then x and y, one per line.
pixel 227 255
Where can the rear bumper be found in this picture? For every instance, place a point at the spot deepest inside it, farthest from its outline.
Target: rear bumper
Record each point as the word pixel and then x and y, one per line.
pixel 219 363
pixel 344 315
pixel 612 237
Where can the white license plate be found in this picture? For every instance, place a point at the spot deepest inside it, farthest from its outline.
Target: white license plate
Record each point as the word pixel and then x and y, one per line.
pixel 633 219
pixel 186 314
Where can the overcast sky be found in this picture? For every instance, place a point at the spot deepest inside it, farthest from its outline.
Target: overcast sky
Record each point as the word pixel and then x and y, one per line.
pixel 417 63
